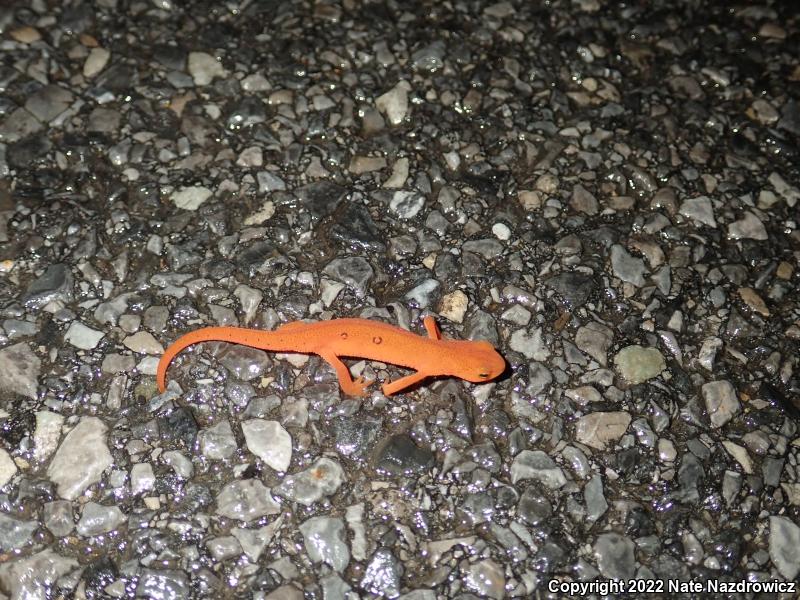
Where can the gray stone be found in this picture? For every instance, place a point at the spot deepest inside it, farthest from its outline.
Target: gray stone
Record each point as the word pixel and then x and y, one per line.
pixel 269 441
pixel 573 287
pixel 56 283
pixel 486 578
pixel 81 458
pixel 218 442
pixel 97 519
pixel 318 481
pixel 535 464
pixel 166 584
pixel 748 227
pixel 595 339
pixel 596 504
pixel 721 401
pixel 626 267
pixel 406 205
pixel 58 517
pixel 48 102
pixel 246 500
pixel 637 364
pixel 19 370
pixel 699 209
pixel 784 540
pixel 325 541
pixel 382 575
pixel 83 337
pixel 399 455
pixel 598 429
pixel 614 555
pixel 14 533
pixel 355 272
pixel 33 578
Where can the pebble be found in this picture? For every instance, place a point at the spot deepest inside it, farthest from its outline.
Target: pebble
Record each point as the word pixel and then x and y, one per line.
pixel 254 541
pixel 784 539
pixel 14 533
pixel 614 555
pixel 721 401
pixel 583 201
pixel 740 455
pixel 501 231
pixel 454 306
pixel 637 364
pixel 422 295
pixel 535 464
pixel 321 480
pixel 55 284
pixel 96 61
pixel 143 479
pixel 399 174
pixel 81 458
pixel 83 337
pixel 246 500
pixel 382 574
pixel 406 205
pixel 754 301
pixel 355 272
pixel 19 370
pixel 58 517
pixel 269 182
pixel 325 542
pixel 573 287
pixel 218 442
pixel 143 342
pixel 394 103
pixel 595 339
pixel 626 267
pixel 598 429
pixel 367 164
pixel 47 434
pixel 596 504
pixel 8 468
pixel 699 209
pixel 533 507
pixel 204 68
pixel 398 455
pixel 270 442
pixel 48 102
pixel 33 577
pixel 748 227
pixel 530 343
pixel 486 578
pixel 253 156
pixel 166 584
pixel 191 198
pixel 97 519
pixel 25 35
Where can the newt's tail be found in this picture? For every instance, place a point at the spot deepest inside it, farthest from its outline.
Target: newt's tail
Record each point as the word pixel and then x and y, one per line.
pixel 206 334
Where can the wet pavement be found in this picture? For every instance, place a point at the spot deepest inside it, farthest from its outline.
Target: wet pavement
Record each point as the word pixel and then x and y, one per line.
pixel 607 193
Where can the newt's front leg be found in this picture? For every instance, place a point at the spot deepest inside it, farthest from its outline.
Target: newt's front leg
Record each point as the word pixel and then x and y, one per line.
pixel 357 387
pixel 398 385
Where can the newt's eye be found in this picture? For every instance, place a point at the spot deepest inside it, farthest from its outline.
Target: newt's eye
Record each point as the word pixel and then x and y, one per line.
pixel 483 375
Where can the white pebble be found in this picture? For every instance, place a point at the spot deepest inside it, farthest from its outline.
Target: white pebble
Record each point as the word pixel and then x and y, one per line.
pixel 501 231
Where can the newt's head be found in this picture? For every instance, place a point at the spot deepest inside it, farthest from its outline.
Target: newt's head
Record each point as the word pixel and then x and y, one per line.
pixel 478 361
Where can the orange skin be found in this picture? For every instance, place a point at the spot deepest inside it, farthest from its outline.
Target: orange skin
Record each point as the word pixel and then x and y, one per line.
pixel 432 356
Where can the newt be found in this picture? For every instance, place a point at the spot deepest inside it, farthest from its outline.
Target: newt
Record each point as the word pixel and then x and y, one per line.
pixel 432 356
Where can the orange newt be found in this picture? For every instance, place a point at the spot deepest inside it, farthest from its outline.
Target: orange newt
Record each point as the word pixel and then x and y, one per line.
pixel 431 356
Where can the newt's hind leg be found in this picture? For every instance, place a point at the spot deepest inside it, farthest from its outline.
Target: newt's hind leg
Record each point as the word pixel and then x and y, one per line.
pixel 357 387
pixel 398 385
